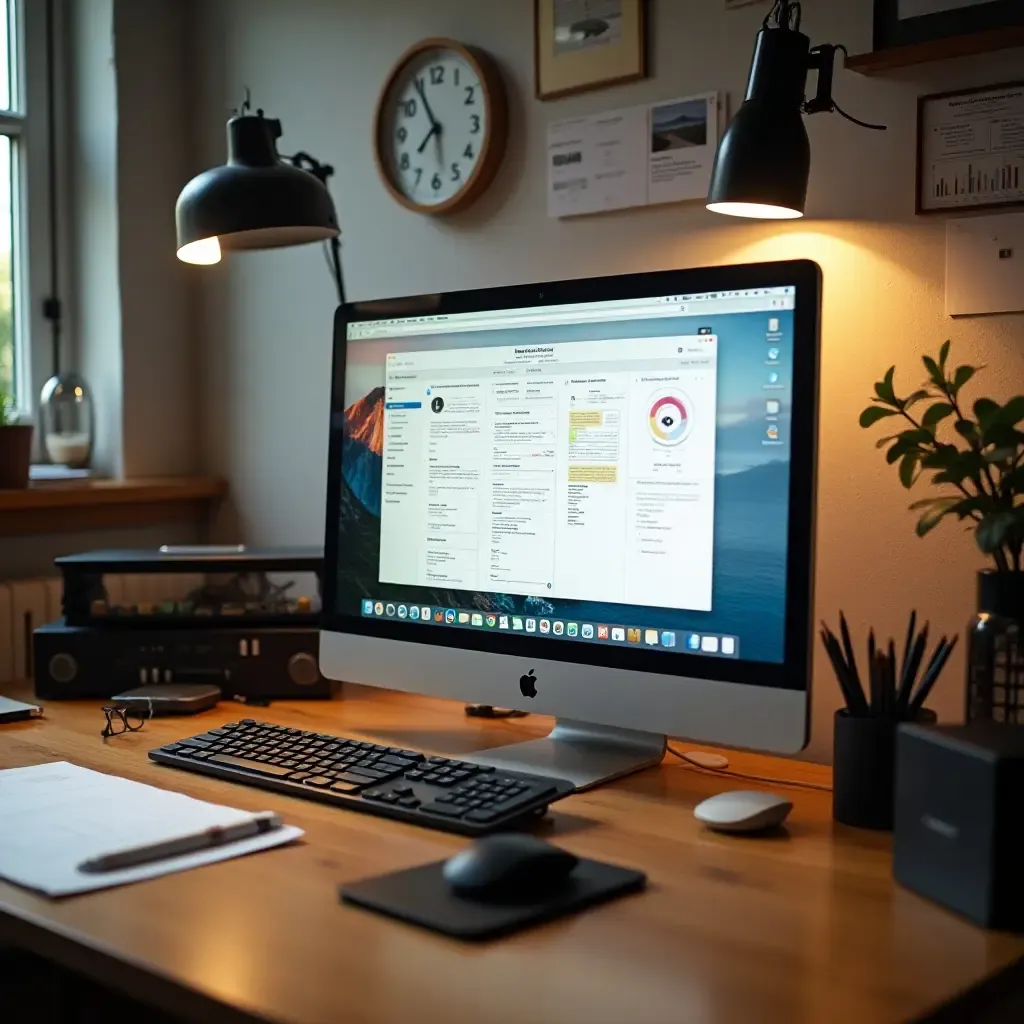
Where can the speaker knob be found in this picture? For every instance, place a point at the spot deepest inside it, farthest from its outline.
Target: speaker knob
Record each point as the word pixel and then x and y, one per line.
pixel 303 669
pixel 63 668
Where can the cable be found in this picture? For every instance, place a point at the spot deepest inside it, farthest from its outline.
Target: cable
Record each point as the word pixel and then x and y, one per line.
pixel 728 773
pixel 863 124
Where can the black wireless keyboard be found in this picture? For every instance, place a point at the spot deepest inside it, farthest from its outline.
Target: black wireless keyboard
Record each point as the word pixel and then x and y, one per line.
pixel 438 792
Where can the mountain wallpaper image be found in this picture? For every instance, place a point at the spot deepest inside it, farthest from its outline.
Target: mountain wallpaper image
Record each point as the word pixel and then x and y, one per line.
pixel 749 594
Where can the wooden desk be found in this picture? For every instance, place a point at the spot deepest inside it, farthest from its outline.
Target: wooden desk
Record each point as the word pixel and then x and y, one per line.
pixel 802 928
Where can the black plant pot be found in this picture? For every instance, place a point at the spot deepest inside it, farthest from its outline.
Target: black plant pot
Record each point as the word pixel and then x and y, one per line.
pixel 863 770
pixel 995 650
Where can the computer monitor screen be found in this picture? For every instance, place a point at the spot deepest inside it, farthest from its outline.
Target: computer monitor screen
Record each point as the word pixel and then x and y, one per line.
pixel 624 479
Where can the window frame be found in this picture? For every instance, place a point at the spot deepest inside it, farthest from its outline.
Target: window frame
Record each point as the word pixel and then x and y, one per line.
pixel 27 124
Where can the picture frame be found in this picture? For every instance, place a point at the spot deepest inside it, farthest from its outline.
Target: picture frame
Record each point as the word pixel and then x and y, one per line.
pixel 966 160
pixel 581 45
pixel 908 22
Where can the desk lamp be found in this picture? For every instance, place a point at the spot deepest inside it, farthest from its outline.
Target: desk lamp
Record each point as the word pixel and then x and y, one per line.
pixel 258 200
pixel 764 159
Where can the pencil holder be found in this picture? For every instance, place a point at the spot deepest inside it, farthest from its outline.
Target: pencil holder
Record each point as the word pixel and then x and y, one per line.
pixel 863 770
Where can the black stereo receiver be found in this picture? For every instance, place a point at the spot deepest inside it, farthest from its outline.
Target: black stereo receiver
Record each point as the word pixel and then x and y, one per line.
pixel 74 662
pixel 243 619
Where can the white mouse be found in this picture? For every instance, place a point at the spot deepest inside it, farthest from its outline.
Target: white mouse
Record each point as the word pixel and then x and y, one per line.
pixel 743 810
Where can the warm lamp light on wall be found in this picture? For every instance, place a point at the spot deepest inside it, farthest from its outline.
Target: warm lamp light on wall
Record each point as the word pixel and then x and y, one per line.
pixel 764 159
pixel 257 200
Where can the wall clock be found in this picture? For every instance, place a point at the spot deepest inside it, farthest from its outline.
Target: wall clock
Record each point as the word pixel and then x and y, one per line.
pixel 441 126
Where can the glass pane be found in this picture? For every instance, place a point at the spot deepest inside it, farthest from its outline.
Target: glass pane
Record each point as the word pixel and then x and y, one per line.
pixel 6 56
pixel 7 354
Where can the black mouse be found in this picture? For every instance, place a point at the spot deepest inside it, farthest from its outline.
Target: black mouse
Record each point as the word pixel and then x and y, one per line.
pixel 509 869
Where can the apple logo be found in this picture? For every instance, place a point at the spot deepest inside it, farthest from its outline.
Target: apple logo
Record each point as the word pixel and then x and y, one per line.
pixel 528 684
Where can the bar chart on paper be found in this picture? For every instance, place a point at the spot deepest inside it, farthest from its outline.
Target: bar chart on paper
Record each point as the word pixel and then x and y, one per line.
pixel 999 178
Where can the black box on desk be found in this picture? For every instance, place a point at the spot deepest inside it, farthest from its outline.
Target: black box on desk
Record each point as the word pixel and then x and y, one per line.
pixel 959 824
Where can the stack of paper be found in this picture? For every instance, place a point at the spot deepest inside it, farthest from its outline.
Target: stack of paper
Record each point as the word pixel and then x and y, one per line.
pixel 57 816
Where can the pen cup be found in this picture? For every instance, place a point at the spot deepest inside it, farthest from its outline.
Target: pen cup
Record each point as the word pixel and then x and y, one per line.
pixel 863 768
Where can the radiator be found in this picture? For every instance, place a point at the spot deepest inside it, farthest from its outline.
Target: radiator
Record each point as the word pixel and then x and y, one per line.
pixel 26 604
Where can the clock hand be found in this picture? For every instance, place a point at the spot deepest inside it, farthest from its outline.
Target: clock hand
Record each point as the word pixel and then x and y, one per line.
pixel 436 130
pixel 435 125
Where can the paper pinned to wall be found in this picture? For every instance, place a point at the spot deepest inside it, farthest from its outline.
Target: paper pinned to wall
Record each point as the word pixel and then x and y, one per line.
pixel 636 156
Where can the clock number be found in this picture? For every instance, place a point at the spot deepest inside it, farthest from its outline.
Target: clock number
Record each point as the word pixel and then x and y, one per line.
pixel 435 182
pixel 419 174
pixel 403 163
pixel 408 107
pixel 470 99
pixel 456 173
pixel 468 152
pixel 475 130
pixel 437 74
pixel 402 134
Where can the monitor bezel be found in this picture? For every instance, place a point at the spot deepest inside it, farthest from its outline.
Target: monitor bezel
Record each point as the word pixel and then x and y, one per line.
pixel 793 673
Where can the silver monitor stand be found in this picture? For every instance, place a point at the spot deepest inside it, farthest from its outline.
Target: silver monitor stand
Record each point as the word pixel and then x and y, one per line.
pixel 585 754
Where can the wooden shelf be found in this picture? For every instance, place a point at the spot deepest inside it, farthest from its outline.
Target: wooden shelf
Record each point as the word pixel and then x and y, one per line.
pixel 880 61
pixel 104 504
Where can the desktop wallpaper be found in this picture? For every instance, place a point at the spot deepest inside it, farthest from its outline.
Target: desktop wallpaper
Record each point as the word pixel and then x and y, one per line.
pixel 751 482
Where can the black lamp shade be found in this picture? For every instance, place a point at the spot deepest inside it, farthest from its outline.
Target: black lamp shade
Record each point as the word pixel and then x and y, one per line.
pixel 764 159
pixel 255 201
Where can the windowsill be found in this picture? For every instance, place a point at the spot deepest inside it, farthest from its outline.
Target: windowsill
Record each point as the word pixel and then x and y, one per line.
pixel 71 506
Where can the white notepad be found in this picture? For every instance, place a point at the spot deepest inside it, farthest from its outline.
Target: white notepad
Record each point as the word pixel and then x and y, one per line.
pixel 53 817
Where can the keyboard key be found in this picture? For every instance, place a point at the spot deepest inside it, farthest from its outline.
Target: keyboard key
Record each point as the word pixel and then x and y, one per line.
pixel 411 755
pixel 414 776
pixel 171 748
pixel 252 766
pixel 484 768
pixel 353 779
pixel 482 816
pixel 398 762
pixel 298 776
pixel 409 801
pixel 432 777
pixel 444 810
pixel 506 805
pixel 319 781
pixel 389 798
pixel 197 744
pixel 373 794
pixel 402 790
pixel 344 787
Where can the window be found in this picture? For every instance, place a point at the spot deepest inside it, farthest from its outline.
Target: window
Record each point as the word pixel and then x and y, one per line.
pixel 24 196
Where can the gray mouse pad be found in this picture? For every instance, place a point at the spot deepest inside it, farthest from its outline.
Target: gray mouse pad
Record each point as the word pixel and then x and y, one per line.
pixel 421 896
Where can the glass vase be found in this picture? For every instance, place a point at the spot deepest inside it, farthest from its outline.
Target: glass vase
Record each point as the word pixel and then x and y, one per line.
pixel 66 418
pixel 995 656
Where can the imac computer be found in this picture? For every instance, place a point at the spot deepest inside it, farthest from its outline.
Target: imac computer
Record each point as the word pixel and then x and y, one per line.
pixel 590 499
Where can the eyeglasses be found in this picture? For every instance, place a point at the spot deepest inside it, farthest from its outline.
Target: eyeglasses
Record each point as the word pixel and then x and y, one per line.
pixel 122 719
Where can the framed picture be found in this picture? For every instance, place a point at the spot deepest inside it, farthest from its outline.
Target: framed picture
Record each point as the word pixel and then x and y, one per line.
pixel 905 22
pixel 970 149
pixel 588 44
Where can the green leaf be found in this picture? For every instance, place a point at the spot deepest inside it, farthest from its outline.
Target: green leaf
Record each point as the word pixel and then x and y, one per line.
pixel 942 457
pixel 911 400
pixel 962 376
pixel 883 388
pixel 985 409
pixel 1012 413
pixel 873 413
pixel 909 470
pixel 967 430
pixel 994 530
pixel 906 442
pixel 883 441
pixel 1000 454
pixel 944 355
pixel 937 377
pixel 935 414
pixel 929 502
pixel 930 519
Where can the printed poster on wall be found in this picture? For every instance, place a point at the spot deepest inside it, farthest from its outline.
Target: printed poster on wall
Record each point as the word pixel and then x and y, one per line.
pixel 636 156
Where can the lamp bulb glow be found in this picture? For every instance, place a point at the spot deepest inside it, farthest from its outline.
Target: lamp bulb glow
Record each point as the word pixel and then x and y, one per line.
pixel 758 211
pixel 203 252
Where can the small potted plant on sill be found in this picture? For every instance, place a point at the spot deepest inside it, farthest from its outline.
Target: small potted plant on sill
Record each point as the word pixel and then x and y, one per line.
pixel 15 446
pixel 976 461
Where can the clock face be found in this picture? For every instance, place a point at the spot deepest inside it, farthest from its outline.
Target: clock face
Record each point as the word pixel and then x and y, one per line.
pixel 434 129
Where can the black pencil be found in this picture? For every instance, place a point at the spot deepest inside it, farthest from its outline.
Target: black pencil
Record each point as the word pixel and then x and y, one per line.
pixel 930 677
pixel 852 694
pixel 909 644
pixel 851 659
pixel 910 669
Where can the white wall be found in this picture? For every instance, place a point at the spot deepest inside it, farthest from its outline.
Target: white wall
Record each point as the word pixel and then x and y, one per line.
pixel 318 65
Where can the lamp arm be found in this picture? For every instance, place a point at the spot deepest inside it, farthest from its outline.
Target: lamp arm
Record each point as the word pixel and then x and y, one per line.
pixel 822 60
pixel 323 172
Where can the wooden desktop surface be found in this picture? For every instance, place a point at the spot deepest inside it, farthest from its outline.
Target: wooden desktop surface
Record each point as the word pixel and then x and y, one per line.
pixel 803 927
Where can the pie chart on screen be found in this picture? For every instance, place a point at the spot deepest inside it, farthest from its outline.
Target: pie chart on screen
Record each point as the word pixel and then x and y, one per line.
pixel 670 417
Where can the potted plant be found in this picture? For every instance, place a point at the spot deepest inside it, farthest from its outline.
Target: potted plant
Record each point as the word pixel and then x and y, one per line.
pixel 976 460
pixel 15 446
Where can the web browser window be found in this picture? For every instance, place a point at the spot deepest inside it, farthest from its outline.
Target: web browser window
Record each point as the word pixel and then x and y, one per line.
pixel 609 472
